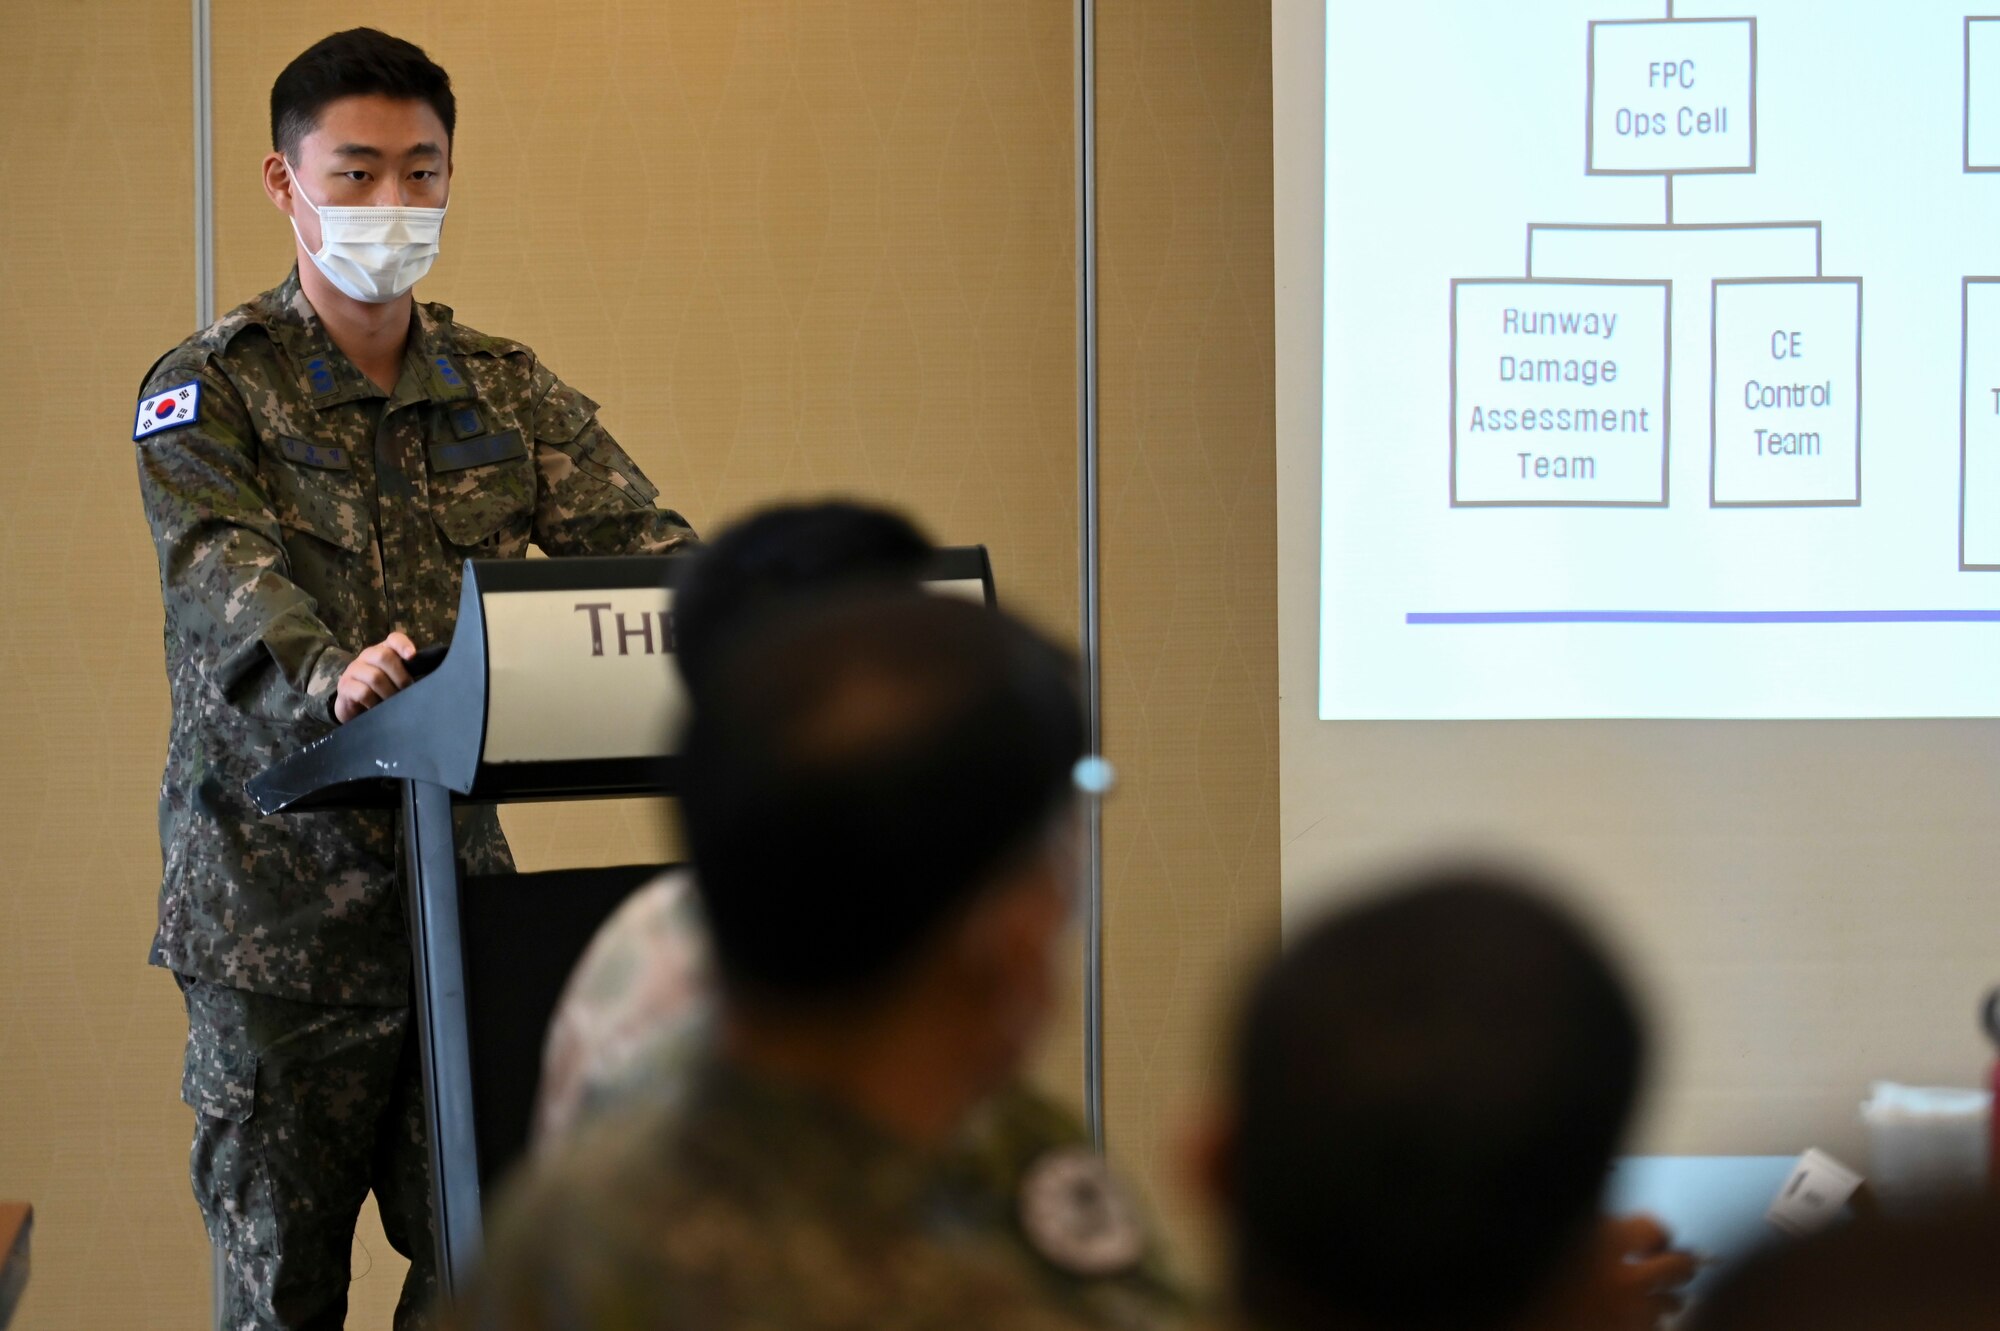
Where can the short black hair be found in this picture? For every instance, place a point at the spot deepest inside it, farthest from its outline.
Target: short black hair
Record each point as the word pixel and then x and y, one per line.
pixel 1430 1087
pixel 359 62
pixel 779 555
pixel 857 773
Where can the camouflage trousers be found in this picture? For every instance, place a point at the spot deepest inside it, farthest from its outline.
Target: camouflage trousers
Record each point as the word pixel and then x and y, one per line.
pixel 301 1109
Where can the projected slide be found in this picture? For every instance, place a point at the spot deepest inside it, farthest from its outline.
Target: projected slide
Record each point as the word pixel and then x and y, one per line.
pixel 1662 361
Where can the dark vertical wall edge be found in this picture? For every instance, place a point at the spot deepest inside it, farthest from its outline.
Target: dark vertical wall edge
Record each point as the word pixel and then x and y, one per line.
pixel 1087 551
pixel 204 173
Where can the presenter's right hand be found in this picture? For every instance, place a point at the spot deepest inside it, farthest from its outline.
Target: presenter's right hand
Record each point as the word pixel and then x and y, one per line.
pixel 1631 1278
pixel 377 673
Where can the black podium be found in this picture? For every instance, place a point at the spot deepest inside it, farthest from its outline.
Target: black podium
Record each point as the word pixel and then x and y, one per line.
pixel 558 685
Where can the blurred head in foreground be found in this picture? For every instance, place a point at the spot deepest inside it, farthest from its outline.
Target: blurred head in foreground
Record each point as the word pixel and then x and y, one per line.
pixel 876 800
pixel 633 1019
pixel 784 554
pixel 1939 1272
pixel 1429 1087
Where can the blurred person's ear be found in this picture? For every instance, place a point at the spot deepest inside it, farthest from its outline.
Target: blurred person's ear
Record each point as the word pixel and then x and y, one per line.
pixel 1005 954
pixel 1208 1157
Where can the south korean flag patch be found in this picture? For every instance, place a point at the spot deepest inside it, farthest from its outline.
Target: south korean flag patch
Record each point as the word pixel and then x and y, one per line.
pixel 168 411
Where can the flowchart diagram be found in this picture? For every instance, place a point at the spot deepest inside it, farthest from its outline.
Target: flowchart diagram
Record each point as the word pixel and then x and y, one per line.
pixel 1562 377
pixel 1603 431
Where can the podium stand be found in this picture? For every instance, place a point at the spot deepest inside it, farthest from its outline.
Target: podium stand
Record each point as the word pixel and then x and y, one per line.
pixel 559 684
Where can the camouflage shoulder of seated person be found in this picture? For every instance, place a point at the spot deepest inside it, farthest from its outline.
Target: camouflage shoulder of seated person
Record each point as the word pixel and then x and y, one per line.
pixel 634 1023
pixel 635 1016
pixel 1031 1167
pixel 746 1208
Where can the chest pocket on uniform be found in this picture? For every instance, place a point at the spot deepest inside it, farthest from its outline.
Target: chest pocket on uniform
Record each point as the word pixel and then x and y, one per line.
pixel 314 490
pixel 483 490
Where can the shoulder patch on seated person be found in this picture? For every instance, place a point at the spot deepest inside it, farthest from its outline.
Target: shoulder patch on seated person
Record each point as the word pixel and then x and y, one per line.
pixel 168 410
pixel 1078 1216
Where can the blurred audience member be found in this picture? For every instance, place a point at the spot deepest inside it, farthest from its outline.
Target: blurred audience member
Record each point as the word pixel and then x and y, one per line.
pixel 638 1012
pixel 878 807
pixel 636 1009
pixel 1428 1089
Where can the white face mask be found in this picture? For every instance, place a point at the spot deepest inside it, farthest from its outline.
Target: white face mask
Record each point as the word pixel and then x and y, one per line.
pixel 373 254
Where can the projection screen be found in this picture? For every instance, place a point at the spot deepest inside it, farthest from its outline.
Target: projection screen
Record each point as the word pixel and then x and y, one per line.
pixel 1639 506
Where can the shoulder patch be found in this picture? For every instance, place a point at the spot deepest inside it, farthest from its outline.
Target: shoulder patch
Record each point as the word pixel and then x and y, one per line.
pixel 321 376
pixel 1078 1217
pixel 168 410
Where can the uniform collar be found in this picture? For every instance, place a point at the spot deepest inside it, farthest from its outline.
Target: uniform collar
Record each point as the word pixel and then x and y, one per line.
pixel 805 1137
pixel 431 371
pixel 431 357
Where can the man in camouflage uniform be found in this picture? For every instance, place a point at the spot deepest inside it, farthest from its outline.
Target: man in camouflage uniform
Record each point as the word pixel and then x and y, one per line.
pixel 633 1034
pixel 877 807
pixel 636 1018
pixel 316 467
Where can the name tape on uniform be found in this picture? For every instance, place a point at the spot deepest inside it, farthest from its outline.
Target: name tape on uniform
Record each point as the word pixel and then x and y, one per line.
pixel 168 411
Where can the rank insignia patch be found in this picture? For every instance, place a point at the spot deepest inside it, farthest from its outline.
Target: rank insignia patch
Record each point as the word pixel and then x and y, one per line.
pixel 1078 1217
pixel 168 411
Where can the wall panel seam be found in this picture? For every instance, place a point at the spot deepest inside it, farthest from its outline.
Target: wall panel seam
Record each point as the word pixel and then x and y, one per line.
pixel 1088 639
pixel 204 172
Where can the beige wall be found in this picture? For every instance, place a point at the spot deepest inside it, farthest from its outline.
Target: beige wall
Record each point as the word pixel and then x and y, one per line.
pixel 793 248
pixel 1189 591
pixel 96 279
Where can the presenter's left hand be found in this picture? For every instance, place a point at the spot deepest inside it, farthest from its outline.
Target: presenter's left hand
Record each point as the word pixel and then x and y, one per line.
pixel 377 673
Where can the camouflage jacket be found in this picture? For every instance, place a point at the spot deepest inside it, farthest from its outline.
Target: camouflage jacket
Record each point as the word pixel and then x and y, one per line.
pixel 635 1014
pixel 301 514
pixel 757 1205
pixel 634 1028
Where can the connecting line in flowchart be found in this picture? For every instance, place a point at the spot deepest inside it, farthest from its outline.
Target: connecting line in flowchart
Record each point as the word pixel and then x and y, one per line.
pixel 1670 226
pixel 1979 323
pixel 1669 177
pixel 1562 381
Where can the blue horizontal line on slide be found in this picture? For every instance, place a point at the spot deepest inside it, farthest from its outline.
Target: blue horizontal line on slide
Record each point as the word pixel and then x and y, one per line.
pixel 1477 617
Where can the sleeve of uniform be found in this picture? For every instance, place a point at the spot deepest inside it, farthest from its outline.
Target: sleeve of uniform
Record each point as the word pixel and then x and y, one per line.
pixel 593 498
pixel 252 632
